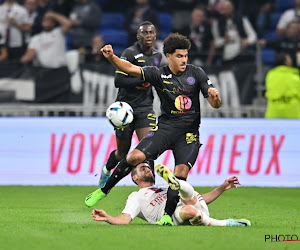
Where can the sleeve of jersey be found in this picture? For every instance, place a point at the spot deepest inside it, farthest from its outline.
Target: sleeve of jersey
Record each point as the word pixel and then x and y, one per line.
pixel 150 74
pixel 122 79
pixel 204 81
pixel 132 206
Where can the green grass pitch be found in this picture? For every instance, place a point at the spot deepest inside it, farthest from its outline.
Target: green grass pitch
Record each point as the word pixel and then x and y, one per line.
pixel 56 218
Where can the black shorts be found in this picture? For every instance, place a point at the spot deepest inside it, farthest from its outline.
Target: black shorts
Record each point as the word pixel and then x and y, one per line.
pixel 140 120
pixel 184 143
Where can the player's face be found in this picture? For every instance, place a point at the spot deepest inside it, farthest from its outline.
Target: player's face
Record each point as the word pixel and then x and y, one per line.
pixel 178 60
pixel 144 173
pixel 146 35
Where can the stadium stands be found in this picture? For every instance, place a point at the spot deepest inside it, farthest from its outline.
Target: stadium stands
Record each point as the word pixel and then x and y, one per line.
pixel 282 5
pixel 165 21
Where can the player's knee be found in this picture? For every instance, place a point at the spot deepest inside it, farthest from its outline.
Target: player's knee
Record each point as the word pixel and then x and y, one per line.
pixel 188 212
pixel 135 157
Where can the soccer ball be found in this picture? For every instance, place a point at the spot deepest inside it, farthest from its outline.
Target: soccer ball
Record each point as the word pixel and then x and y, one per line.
pixel 119 114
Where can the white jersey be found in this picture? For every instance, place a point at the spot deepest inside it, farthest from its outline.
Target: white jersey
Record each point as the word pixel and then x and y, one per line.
pixel 50 48
pixel 149 204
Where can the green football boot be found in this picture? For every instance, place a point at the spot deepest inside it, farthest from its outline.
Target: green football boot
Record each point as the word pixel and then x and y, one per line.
pixel 166 220
pixel 92 199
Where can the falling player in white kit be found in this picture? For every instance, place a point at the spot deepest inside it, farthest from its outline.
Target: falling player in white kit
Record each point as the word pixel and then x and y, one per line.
pixel 149 202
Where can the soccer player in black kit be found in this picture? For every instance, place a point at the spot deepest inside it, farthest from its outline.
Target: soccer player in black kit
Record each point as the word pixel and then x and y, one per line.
pixel 178 86
pixel 137 93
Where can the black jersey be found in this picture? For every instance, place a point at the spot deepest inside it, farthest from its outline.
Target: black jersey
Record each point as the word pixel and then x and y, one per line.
pixel 132 90
pixel 179 94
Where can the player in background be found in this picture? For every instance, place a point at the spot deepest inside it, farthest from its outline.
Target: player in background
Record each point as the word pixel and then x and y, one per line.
pixel 137 93
pixel 148 203
pixel 178 86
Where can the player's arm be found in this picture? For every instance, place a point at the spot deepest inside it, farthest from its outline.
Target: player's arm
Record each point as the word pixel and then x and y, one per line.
pixel 123 80
pixel 209 92
pixel 101 215
pixel 28 56
pixel 232 182
pixel 123 65
pixel 64 22
pixel 214 98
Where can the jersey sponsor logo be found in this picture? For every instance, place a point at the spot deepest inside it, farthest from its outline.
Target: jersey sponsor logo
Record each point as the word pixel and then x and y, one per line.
pixel 138 56
pixel 183 103
pixel 190 137
pixel 166 76
pixel 190 80
pixel 159 200
pixel 209 82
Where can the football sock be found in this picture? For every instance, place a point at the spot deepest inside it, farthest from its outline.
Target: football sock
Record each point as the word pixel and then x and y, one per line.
pixel 197 219
pixel 151 163
pixel 207 221
pixel 104 169
pixel 112 161
pixel 186 191
pixel 122 170
pixel 172 199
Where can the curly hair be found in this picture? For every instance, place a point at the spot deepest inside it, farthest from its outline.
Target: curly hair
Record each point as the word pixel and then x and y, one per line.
pixel 176 41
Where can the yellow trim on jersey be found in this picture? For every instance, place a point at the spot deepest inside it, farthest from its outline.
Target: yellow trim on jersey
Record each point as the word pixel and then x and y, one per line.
pixel 141 60
pixel 143 74
pixel 167 82
pixel 121 72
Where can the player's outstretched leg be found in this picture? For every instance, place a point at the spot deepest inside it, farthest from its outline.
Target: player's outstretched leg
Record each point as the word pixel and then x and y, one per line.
pixel 92 199
pixel 238 223
pixel 166 173
pixel 105 174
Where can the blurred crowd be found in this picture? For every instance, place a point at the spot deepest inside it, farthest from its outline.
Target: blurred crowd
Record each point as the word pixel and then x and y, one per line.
pixel 221 31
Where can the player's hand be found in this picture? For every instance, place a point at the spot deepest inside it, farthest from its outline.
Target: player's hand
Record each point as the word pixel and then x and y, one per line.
pixel 214 93
pixel 99 215
pixel 107 51
pixel 231 182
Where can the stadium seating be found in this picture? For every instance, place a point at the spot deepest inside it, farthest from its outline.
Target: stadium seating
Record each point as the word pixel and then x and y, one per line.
pixel 268 56
pixel 270 35
pixel 117 38
pixel 274 19
pixel 282 5
pixel 112 20
pixel 165 21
